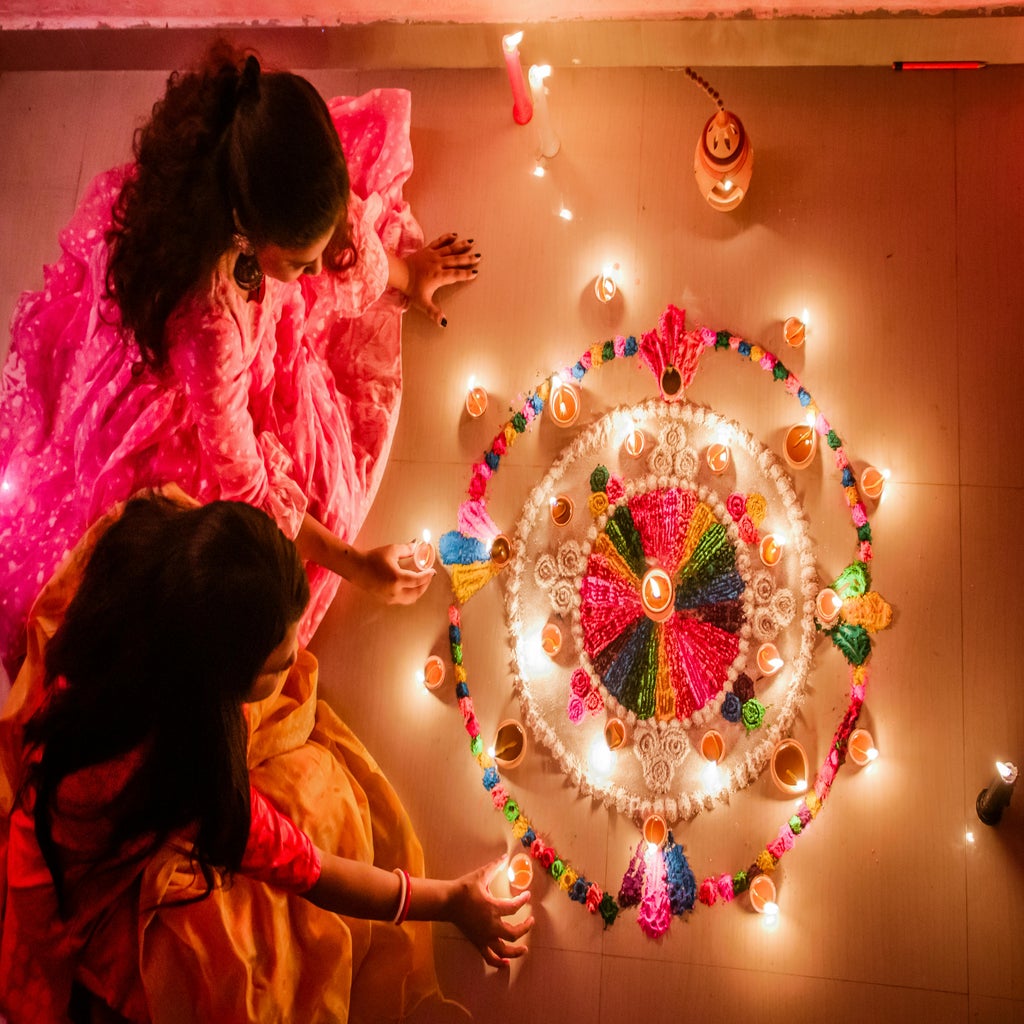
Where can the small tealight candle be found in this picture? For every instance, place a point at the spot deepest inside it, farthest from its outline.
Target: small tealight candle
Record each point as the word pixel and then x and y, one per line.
pixel 635 443
pixel 789 767
pixel 718 457
pixel 794 330
pixel 509 744
pixel 551 639
pixel 564 402
pixel 762 892
pixel 476 399
pixel 615 733
pixel 671 382
pixel 770 548
pixel 520 872
pixel 501 549
pixel 712 746
pixel 827 606
pixel 768 660
pixel 605 286
pixel 433 672
pixel 872 482
pixel 860 748
pixel 561 510
pixel 655 829
pixel 800 445
pixel 423 555
pixel 657 594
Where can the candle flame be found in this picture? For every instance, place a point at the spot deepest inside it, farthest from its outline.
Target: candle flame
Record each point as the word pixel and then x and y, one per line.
pixel 871 754
pixel 537 74
pixel 565 213
pixel 655 589
pixel 602 759
pixel 775 664
pixel 426 536
pixel 471 383
pixel 809 419
pixel 771 909
pixel 1007 771
pixel 511 41
pixel 538 171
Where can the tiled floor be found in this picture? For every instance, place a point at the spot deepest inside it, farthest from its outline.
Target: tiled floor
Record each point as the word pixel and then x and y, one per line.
pixel 892 208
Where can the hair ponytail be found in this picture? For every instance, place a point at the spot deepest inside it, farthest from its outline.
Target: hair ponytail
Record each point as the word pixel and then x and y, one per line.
pixel 228 137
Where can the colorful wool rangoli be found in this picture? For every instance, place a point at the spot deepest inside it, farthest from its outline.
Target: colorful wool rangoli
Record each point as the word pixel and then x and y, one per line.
pixel 678 620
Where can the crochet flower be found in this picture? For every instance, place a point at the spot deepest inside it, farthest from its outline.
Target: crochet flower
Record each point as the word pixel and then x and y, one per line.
pixel 753 714
pixel 594 898
pixel 732 708
pixel 736 505
pixel 575 709
pixel 615 489
pixel 597 503
pixel 757 508
pixel 580 683
pixel 748 531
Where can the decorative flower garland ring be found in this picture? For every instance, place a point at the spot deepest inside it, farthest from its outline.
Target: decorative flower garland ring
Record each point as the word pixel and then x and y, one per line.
pixel 660 880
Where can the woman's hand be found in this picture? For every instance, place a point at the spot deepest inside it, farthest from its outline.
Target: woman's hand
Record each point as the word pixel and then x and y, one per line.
pixel 448 259
pixel 480 915
pixel 379 571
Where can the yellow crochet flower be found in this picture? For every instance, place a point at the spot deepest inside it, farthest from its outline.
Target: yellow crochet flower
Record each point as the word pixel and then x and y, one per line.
pixel 813 803
pixel 870 610
pixel 597 353
pixel 852 496
pixel 510 434
pixel 598 503
pixel 765 862
pixel 520 826
pixel 484 760
pixel 756 352
pixel 568 880
pixel 543 390
pixel 460 674
pixel 757 508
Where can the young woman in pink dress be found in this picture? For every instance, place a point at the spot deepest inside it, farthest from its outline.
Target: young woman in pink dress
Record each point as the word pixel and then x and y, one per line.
pixel 225 315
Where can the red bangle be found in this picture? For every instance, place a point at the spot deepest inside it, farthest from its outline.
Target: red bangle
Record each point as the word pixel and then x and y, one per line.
pixel 404 897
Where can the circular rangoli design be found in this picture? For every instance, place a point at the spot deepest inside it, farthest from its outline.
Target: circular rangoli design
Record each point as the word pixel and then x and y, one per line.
pixel 683 610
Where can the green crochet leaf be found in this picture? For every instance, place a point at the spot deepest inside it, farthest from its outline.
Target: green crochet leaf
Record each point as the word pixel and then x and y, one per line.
pixel 853 581
pixel 853 641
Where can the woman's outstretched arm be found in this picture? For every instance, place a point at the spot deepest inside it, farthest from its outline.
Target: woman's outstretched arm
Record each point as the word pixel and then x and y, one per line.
pixel 355 889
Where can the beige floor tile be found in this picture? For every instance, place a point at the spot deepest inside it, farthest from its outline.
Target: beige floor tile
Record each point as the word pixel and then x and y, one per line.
pixel 871 207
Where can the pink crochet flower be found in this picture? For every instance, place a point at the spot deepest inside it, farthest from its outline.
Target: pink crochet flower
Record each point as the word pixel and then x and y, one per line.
pixel 768 361
pixel 725 889
pixel 708 892
pixel 614 488
pixel 499 795
pixel 860 514
pixel 472 726
pixel 454 616
pixel 580 683
pixel 594 897
pixel 620 346
pixel 499 445
pixel 594 702
pixel 576 709
pixel 736 505
pixel 748 531
pixel 586 360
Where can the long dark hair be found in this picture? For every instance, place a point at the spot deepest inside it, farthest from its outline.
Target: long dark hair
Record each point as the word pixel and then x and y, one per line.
pixel 177 612
pixel 225 140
